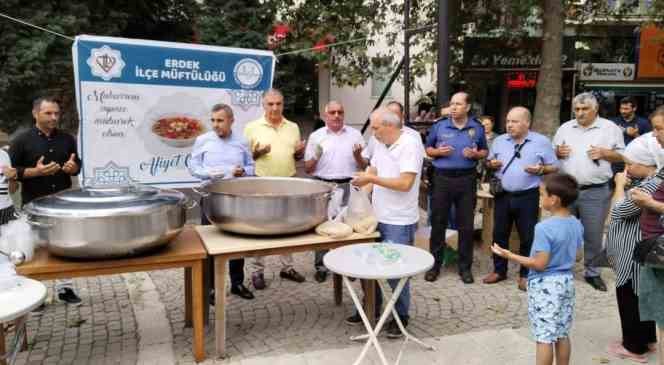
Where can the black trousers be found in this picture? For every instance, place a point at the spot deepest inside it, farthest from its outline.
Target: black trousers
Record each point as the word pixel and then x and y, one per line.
pixel 459 191
pixel 636 334
pixel 235 266
pixel 521 208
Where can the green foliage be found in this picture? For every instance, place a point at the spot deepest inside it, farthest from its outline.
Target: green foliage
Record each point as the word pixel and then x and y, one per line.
pixel 35 63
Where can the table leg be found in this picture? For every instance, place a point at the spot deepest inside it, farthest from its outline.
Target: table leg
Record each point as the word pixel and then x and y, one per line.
pixel 220 304
pixel 197 311
pixel 3 351
pixel 370 301
pixel 371 332
pixel 187 297
pixel 337 288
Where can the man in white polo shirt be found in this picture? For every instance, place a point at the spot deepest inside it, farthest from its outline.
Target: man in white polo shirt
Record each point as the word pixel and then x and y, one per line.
pixel 330 156
pixel 397 160
pixel 586 147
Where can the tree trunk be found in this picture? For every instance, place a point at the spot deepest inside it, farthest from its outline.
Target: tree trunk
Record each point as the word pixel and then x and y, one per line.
pixel 549 84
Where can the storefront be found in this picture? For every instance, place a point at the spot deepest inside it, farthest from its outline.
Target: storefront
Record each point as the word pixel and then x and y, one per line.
pixel 643 81
pixel 502 73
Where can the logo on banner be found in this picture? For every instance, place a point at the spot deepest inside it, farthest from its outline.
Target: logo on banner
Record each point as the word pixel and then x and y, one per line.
pixel 245 99
pixel 111 174
pixel 248 73
pixel 106 62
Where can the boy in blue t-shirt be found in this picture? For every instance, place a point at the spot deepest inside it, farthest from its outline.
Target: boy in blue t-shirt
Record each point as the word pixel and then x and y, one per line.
pixel 550 282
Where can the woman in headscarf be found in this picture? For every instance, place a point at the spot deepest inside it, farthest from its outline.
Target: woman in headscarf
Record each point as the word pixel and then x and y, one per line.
pixel 623 234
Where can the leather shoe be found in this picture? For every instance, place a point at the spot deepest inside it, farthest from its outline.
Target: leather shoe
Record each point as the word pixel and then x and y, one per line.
pixel 258 280
pixel 292 275
pixel 523 284
pixel 320 276
pixel 596 282
pixel 241 291
pixel 466 277
pixel 432 274
pixel 493 278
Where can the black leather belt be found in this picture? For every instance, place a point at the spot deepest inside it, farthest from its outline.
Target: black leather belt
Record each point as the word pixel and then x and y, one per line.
pixel 336 181
pixel 522 192
pixel 592 186
pixel 455 172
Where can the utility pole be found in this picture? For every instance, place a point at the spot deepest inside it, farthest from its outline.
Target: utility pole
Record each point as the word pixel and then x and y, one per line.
pixel 406 60
pixel 443 66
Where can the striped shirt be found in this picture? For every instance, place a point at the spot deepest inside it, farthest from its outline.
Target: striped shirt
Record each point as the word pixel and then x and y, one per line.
pixel 624 233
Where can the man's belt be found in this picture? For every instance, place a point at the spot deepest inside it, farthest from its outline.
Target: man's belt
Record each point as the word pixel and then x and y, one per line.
pixel 592 186
pixel 455 172
pixel 522 192
pixel 336 181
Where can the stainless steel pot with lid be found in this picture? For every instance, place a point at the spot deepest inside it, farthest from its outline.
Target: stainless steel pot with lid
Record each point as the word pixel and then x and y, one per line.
pixel 107 221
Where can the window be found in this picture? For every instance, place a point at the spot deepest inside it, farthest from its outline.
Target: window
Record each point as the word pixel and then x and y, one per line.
pixel 379 81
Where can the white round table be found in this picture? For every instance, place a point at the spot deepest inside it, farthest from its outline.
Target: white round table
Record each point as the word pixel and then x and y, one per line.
pixel 380 262
pixel 16 302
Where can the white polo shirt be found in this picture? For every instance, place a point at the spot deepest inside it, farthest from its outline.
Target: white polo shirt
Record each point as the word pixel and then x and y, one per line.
pixel 337 161
pixel 405 155
pixel 601 133
pixel 368 152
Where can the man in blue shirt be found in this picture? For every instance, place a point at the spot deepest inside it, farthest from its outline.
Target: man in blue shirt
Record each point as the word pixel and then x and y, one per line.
pixel 222 154
pixel 455 144
pixel 518 158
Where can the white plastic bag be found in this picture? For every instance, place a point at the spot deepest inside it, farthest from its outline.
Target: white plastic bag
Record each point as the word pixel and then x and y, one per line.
pixel 360 214
pixel 334 207
pixel 18 236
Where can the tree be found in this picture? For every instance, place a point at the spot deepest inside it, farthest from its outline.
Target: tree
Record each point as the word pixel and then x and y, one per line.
pixel 35 62
pixel 549 88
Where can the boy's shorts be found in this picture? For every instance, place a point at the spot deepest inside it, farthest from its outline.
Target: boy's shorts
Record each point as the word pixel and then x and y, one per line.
pixel 551 306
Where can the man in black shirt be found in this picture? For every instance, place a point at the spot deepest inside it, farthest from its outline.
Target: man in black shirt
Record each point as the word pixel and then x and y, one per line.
pixel 45 159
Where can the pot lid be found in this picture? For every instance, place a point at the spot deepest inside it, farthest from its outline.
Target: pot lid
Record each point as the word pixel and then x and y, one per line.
pixel 104 201
pixel 107 194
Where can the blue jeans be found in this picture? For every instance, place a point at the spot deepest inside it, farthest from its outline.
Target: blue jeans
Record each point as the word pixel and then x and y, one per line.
pixel 404 235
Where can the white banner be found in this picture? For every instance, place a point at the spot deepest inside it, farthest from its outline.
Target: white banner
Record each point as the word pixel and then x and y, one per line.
pixel 606 71
pixel 143 103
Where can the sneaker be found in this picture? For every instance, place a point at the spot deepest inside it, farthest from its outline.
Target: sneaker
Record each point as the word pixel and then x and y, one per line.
pixel 393 330
pixel 292 275
pixel 596 282
pixel 258 280
pixel 320 276
pixel 68 296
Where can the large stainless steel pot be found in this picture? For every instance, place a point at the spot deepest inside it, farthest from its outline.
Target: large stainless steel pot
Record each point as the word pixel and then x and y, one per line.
pixel 107 222
pixel 266 205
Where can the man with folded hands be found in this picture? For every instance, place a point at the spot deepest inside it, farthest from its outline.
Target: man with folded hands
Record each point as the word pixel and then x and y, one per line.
pixel 519 159
pixel 333 154
pixel 222 154
pixel 276 145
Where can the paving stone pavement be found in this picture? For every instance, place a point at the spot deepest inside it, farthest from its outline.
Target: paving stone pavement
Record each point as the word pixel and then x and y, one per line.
pixel 290 318
pixel 285 319
pixel 102 330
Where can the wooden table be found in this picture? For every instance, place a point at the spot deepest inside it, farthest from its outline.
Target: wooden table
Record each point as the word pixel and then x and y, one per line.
pixel 186 251
pixel 225 246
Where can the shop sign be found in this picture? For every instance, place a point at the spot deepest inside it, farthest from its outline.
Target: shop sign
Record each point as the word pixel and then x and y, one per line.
pixel 606 71
pixel 521 80
pixel 651 53
pixel 143 103
pixel 492 53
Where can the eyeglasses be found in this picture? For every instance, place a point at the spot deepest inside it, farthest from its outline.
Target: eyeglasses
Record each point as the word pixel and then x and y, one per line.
pixel 340 112
pixel 217 120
